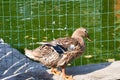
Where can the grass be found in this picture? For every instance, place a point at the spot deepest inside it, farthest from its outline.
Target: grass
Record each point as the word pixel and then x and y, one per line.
pixel 24 23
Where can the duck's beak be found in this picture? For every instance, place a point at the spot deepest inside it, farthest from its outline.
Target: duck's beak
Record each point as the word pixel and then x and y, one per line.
pixel 88 38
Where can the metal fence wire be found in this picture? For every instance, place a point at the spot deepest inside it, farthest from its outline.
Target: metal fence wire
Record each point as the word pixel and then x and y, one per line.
pixel 24 23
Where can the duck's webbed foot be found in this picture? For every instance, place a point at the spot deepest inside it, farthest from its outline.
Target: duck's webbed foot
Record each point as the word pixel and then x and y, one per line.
pixel 66 77
pixel 55 71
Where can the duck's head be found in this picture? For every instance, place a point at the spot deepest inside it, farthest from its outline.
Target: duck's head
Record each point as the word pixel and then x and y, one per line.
pixel 81 32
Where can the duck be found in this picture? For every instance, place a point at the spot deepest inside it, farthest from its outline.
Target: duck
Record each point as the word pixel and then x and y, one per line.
pixel 61 51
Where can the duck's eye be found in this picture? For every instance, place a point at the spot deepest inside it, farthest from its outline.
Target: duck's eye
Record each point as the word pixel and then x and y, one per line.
pixel 86 31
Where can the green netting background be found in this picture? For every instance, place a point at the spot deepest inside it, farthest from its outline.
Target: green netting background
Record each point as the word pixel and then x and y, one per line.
pixel 24 23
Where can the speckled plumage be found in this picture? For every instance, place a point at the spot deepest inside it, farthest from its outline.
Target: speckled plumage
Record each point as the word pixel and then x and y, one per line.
pixel 48 56
pixel 61 51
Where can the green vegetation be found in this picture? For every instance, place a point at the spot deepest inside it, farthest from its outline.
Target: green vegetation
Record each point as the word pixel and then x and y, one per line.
pixel 23 23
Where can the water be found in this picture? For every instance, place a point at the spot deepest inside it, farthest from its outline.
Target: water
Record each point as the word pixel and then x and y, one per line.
pixel 25 23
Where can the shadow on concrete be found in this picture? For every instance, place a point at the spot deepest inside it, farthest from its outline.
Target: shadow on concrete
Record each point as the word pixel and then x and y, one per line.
pixel 80 70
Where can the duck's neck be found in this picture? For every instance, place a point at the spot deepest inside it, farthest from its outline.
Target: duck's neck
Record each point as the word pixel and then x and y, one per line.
pixel 80 40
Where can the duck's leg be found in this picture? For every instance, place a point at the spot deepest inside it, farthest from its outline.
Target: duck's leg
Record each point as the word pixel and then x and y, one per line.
pixel 55 71
pixel 66 77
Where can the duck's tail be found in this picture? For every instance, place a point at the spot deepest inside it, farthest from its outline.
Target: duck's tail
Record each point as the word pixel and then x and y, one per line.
pixel 28 53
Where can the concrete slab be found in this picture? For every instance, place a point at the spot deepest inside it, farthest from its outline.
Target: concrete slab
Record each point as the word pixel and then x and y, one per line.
pixel 16 66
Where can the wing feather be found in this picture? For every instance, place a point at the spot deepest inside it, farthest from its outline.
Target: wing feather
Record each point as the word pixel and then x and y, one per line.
pixel 66 43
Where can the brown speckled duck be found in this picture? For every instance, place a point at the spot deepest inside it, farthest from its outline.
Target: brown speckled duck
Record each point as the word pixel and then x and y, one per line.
pixel 60 52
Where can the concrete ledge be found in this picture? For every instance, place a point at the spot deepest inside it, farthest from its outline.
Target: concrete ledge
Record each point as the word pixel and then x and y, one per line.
pixel 15 66
pixel 103 71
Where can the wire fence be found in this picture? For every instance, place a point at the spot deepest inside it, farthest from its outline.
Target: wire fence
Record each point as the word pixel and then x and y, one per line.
pixel 24 23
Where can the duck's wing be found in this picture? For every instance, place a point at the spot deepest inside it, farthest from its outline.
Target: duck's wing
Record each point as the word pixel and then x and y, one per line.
pixel 72 48
pixel 67 44
pixel 56 53
pixel 44 54
pixel 62 45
